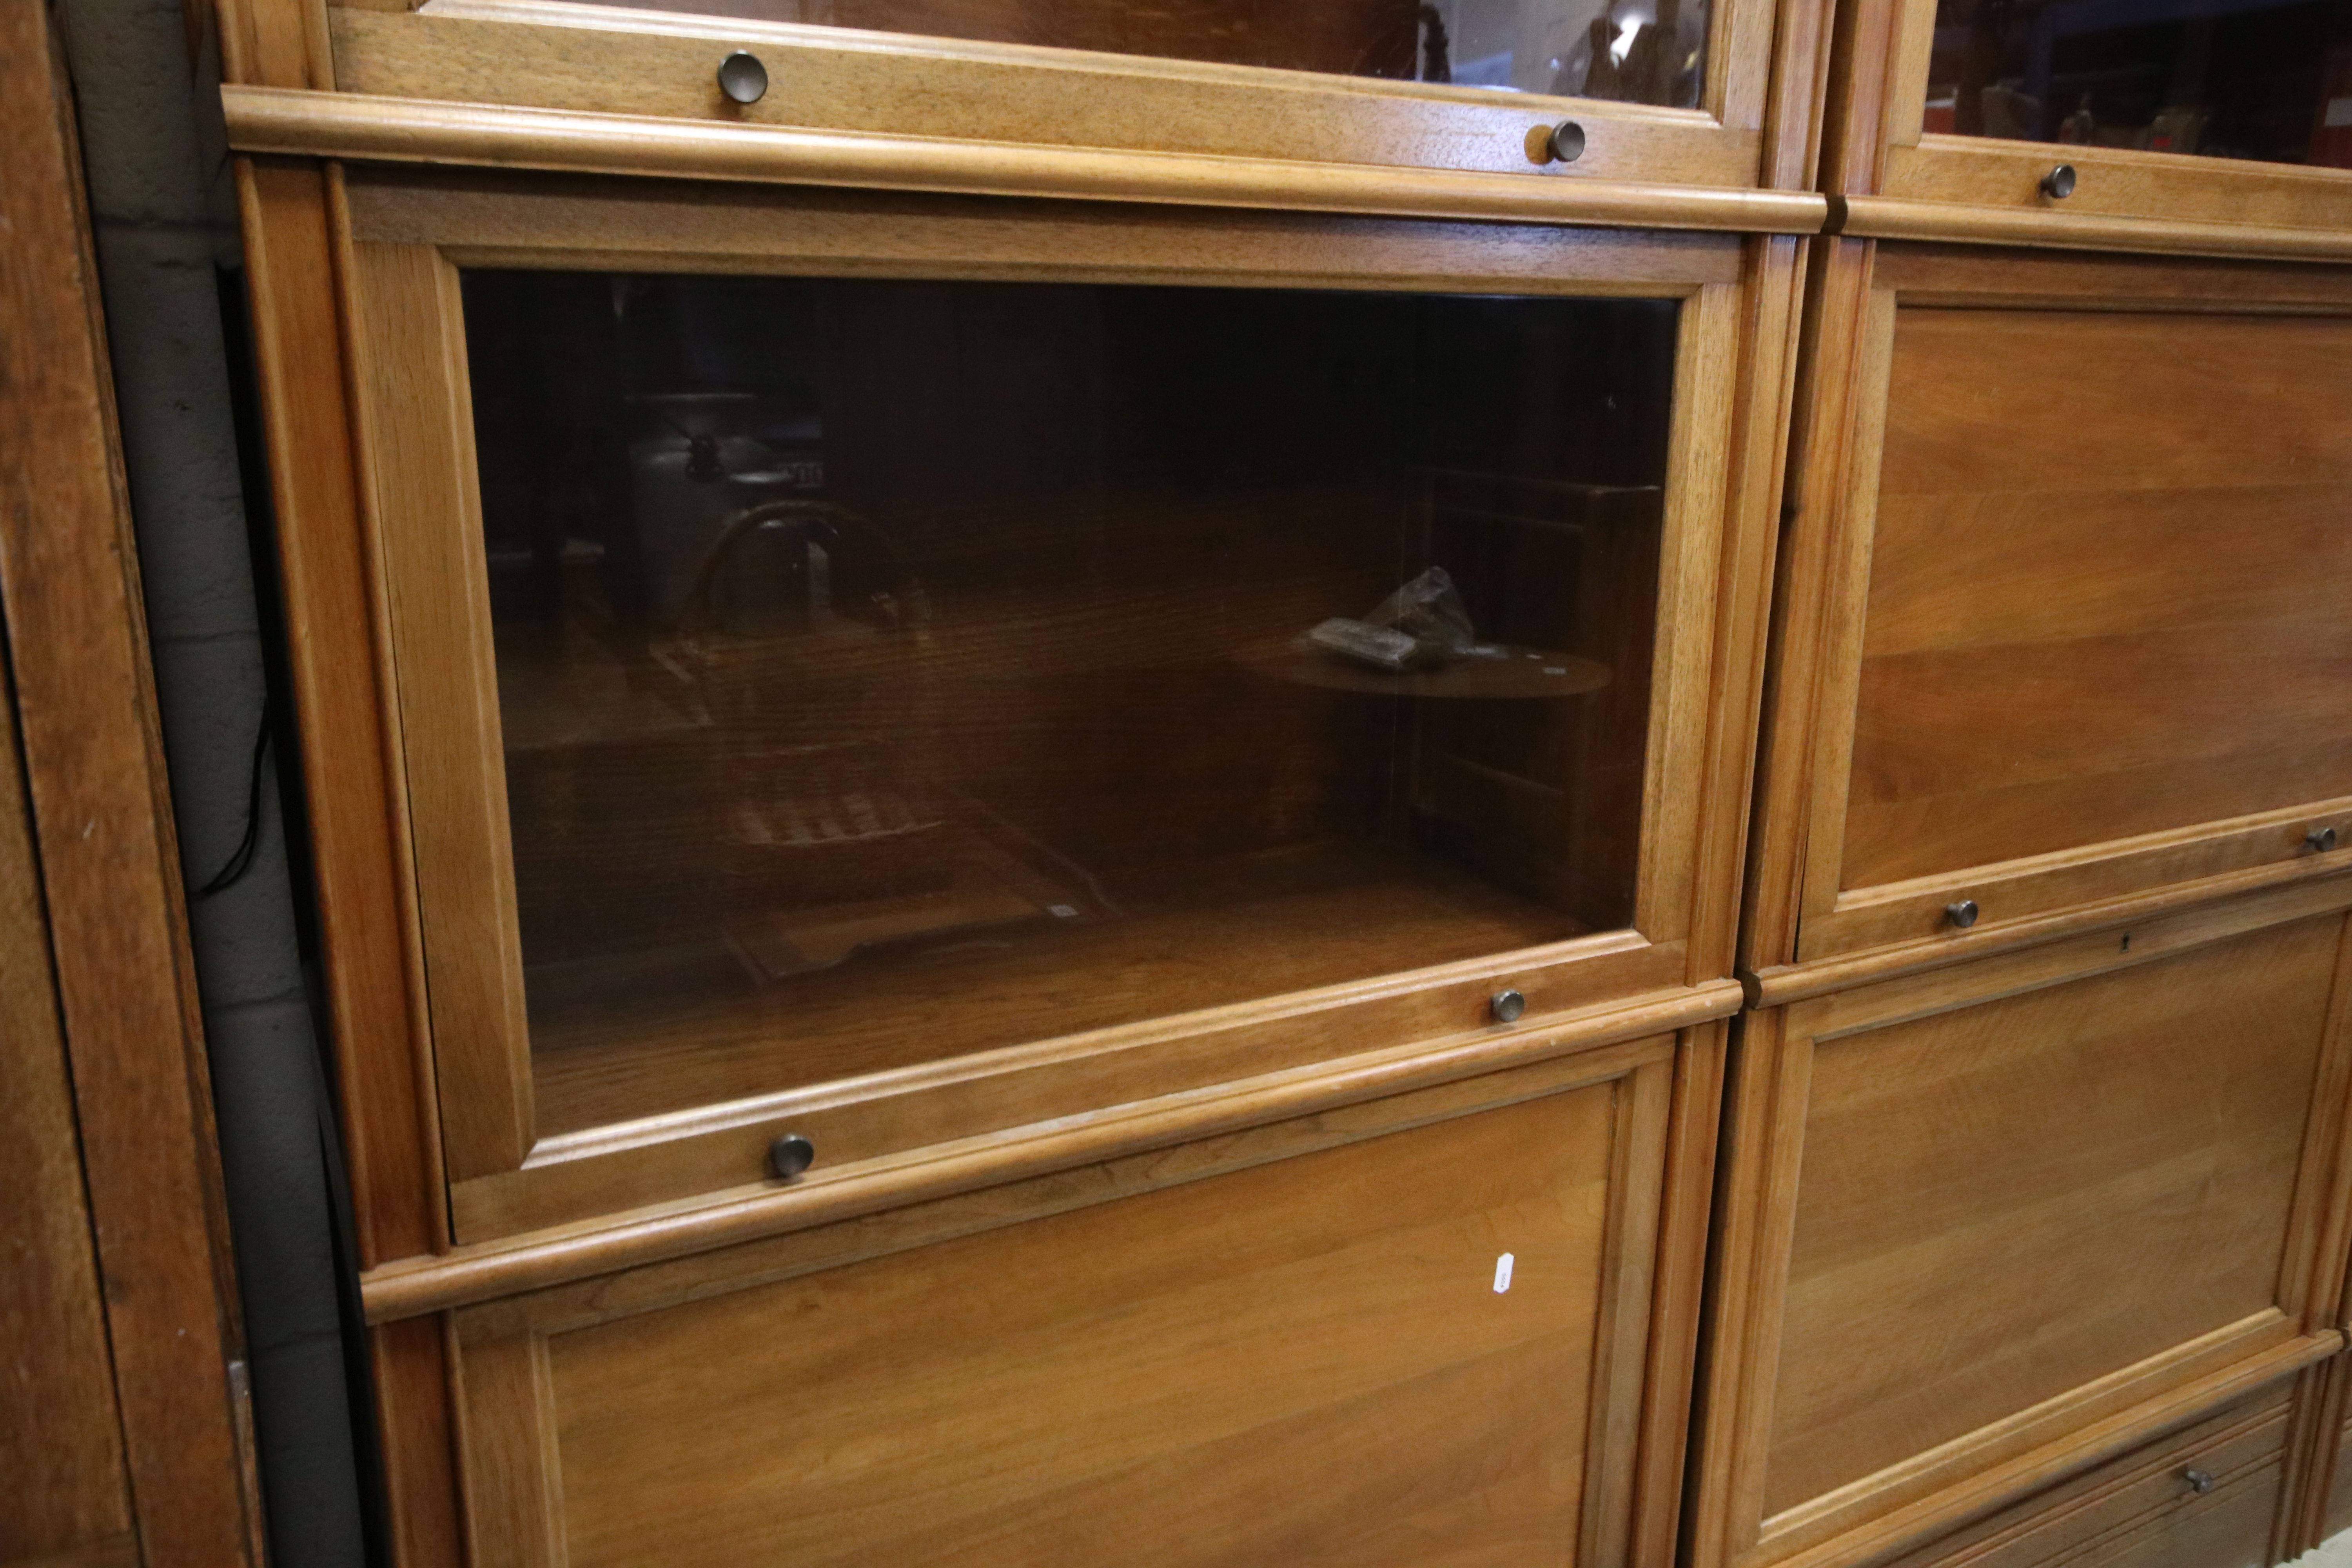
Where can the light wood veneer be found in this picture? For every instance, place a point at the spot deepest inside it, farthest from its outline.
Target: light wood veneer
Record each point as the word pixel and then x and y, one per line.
pixel 1982 1225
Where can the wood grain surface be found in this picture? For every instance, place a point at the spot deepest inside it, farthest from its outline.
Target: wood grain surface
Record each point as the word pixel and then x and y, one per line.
pixel 545 54
pixel 2001 1203
pixel 60 1436
pixel 2142 1508
pixel 2109 622
pixel 978 1400
pixel 645 1232
pixel 297 123
pixel 102 872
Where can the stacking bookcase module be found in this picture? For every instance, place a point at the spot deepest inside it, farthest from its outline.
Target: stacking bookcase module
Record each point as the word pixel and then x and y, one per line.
pixel 1985 1225
pixel 847 719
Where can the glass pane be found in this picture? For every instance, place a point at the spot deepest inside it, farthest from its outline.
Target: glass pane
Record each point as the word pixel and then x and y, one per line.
pixel 892 670
pixel 2221 79
pixel 1637 51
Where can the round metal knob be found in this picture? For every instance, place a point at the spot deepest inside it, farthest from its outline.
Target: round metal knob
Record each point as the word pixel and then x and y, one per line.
pixel 2321 839
pixel 1561 144
pixel 1962 914
pixel 1507 1006
pixel 2200 1481
pixel 2058 183
pixel 742 78
pixel 790 1155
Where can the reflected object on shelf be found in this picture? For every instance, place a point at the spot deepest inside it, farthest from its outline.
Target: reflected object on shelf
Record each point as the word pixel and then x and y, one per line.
pixel 802 630
pixel 808 636
pixel 1424 624
pixel 1517 672
pixel 2331 130
pixel 1641 51
pixel 698 458
pixel 1420 641
pixel 2179 128
pixel 986 889
pixel 2009 112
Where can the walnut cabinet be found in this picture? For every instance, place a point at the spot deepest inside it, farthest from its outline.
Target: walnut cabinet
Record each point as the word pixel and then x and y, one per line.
pixel 864 903
pixel 2041 789
pixel 1361 784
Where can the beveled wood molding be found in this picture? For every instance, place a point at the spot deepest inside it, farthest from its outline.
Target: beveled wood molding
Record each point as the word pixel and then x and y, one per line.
pixel 470 1275
pixel 297 123
pixel 1893 217
pixel 2231 902
pixel 1950 1509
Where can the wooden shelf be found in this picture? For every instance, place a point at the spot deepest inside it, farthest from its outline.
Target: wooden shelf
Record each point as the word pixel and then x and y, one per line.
pixel 1524 673
pixel 1268 926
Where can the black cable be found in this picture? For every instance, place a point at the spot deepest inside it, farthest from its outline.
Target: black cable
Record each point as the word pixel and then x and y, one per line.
pixel 240 861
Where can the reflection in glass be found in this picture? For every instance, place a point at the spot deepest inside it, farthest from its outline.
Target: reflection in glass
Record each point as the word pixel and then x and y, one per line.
pixel 1637 51
pixel 891 670
pixel 2223 79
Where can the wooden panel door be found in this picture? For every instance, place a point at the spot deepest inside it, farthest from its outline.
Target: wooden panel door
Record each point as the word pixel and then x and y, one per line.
pixel 1409 1334
pixel 1989 1224
pixel 2066 637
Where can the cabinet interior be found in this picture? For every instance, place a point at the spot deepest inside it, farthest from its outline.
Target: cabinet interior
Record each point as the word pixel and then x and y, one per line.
pixel 891 669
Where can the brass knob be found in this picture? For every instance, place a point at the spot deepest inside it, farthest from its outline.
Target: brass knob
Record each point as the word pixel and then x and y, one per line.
pixel 2200 1481
pixel 1507 1006
pixel 2058 183
pixel 1962 914
pixel 742 78
pixel 1561 144
pixel 790 1155
pixel 2321 839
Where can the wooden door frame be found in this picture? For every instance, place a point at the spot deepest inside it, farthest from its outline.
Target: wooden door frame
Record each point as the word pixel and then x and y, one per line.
pixel 399 268
pixel 113 952
pixel 312 235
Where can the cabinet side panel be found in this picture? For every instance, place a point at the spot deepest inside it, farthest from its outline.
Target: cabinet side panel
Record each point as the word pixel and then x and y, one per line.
pixel 350 754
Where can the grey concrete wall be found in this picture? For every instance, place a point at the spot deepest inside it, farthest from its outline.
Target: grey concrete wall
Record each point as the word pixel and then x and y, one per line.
pixel 164 213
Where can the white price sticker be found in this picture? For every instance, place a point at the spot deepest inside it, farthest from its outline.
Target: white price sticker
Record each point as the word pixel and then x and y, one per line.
pixel 1503 1273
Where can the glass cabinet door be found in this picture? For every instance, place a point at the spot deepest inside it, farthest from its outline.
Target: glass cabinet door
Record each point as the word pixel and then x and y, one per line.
pixel 1660 95
pixel 892 670
pixel 2179 127
pixel 2269 81
pixel 1634 51
pixel 924 673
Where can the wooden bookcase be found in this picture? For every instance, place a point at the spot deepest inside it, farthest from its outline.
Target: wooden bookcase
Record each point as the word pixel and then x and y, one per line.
pixel 2036 789
pixel 1180 1146
pixel 2017 1005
